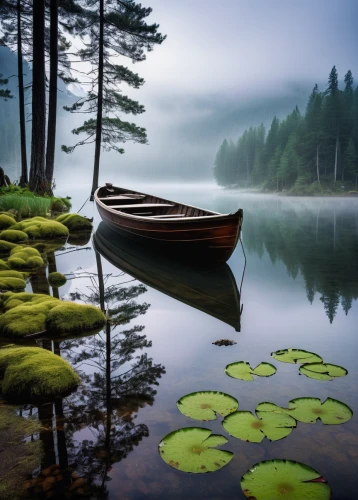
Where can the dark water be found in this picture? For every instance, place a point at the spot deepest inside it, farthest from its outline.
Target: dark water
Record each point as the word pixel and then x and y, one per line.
pixel 299 290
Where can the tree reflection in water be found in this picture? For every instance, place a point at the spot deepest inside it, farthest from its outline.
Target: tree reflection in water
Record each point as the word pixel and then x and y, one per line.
pixel 95 427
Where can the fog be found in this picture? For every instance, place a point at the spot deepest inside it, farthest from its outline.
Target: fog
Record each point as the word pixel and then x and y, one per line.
pixel 223 67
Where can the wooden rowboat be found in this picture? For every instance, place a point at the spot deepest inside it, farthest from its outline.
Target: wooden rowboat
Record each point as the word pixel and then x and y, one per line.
pixel 211 290
pixel 177 229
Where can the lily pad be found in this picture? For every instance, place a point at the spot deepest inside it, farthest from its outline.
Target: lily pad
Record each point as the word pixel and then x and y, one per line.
pixel 244 425
pixel 296 356
pixel 243 371
pixel 323 371
pixel 284 479
pixel 206 404
pixel 308 410
pixel 192 449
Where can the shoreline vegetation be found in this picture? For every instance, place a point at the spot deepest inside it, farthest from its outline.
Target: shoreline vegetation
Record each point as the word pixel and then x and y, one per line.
pixel 311 190
pixel 315 154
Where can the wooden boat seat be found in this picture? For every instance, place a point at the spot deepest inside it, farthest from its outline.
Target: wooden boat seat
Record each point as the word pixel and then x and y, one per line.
pixel 142 205
pixel 117 198
pixel 167 216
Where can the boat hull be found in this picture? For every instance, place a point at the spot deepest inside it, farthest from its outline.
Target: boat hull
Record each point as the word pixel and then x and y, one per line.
pixel 210 238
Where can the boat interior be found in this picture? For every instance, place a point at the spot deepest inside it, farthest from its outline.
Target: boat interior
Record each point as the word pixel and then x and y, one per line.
pixel 143 205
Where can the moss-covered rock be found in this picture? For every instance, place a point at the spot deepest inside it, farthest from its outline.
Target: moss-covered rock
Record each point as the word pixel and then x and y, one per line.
pixel 12 283
pixel 25 258
pixel 42 228
pixel 14 236
pixel 75 222
pixel 27 313
pixel 32 373
pixel 6 221
pixel 69 317
pixel 18 460
pixel 6 246
pixel 56 279
pixel 3 265
pixel 11 274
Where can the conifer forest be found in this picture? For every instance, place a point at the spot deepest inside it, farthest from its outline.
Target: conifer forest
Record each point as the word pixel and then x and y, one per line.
pixel 302 154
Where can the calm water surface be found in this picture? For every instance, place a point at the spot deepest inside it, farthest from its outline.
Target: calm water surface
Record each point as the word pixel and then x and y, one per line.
pixel 299 290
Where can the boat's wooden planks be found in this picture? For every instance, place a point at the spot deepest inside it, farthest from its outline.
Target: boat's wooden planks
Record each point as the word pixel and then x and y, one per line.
pixel 142 205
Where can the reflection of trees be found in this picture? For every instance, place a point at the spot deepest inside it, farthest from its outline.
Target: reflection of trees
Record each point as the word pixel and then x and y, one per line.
pixel 320 244
pixel 116 381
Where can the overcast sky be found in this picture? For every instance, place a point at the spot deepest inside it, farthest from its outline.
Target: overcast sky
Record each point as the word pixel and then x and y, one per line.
pixel 221 59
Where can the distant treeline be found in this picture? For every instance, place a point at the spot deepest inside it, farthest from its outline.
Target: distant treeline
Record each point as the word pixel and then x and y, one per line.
pixel 301 153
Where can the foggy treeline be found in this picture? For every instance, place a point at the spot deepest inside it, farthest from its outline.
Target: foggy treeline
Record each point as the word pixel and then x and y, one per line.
pixel 39 32
pixel 301 153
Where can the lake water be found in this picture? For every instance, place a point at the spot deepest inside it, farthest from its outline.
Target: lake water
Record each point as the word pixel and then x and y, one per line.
pixel 299 290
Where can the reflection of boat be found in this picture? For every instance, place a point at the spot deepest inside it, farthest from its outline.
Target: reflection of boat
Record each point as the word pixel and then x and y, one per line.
pixel 212 291
pixel 175 228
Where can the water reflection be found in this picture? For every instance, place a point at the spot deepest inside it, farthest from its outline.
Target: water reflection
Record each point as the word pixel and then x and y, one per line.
pixel 320 241
pixel 211 290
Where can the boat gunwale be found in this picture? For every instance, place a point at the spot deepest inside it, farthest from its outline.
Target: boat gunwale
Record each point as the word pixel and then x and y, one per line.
pixel 215 216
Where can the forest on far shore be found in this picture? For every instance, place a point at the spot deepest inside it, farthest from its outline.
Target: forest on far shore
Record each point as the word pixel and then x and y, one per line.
pixel 304 154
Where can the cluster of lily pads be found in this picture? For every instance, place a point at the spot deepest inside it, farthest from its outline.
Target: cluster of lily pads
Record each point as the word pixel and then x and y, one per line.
pixel 194 449
pixel 312 364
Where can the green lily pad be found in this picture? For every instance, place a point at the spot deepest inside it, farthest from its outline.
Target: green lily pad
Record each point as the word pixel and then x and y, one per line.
pixel 206 404
pixel 308 410
pixel 284 479
pixel 192 449
pixel 244 425
pixel 296 356
pixel 322 371
pixel 243 371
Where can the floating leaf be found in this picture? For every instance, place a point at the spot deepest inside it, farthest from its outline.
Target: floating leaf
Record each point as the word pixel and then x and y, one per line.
pixel 192 449
pixel 244 425
pixel 284 479
pixel 308 410
pixel 322 371
pixel 243 371
pixel 296 356
pixel 204 405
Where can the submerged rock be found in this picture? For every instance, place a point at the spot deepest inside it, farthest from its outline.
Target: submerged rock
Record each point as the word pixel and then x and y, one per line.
pixel 18 458
pixel 225 342
pixel 33 373
pixel 56 279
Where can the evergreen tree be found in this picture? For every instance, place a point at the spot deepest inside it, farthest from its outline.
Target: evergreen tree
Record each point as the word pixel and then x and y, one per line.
pixel 351 161
pixel 116 28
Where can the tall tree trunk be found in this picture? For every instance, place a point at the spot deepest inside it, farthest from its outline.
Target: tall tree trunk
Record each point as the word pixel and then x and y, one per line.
pixel 99 101
pixel 336 160
pixel 23 178
pixel 317 164
pixel 37 169
pixel 52 101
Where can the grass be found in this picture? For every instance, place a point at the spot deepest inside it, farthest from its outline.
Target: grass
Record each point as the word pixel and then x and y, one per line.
pixel 27 204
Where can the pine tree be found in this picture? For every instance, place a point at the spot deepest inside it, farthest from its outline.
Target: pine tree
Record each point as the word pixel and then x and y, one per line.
pixel 116 28
pixel 351 161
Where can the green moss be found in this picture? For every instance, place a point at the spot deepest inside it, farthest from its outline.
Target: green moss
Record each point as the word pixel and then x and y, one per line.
pixel 69 317
pixel 12 283
pixel 6 246
pixel 18 460
pixel 3 265
pixel 28 313
pixel 25 258
pixel 31 372
pixel 56 279
pixel 13 236
pixel 11 274
pixel 75 222
pixel 6 221
pixel 41 228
